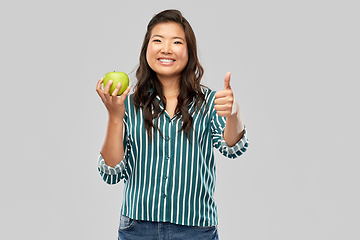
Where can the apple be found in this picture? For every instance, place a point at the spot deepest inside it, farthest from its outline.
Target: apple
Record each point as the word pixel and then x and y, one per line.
pixel 116 77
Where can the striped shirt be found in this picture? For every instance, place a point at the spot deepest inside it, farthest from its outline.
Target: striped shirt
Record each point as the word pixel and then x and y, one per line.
pixel 171 179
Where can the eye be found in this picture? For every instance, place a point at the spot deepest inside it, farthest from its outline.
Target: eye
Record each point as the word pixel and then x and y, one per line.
pixel 156 40
pixel 177 42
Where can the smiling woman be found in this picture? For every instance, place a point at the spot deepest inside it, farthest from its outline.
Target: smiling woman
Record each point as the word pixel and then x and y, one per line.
pixel 161 138
pixel 182 41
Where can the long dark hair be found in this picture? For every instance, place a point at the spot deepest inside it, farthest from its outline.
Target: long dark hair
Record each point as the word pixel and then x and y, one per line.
pixel 148 86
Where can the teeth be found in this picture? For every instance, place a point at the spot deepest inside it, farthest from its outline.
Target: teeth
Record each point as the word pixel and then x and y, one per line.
pixel 166 60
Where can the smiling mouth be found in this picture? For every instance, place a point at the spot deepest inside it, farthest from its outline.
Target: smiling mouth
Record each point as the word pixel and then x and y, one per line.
pixel 166 60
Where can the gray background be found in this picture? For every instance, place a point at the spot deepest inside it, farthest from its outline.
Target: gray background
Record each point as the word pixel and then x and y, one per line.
pixel 294 65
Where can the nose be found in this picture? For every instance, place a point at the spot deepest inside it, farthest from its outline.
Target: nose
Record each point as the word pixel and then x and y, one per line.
pixel 166 48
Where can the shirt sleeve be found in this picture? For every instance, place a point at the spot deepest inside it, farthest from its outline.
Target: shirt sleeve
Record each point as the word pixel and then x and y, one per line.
pixel 113 175
pixel 217 130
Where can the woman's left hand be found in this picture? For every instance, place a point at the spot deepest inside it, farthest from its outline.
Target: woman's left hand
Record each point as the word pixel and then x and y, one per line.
pixel 224 99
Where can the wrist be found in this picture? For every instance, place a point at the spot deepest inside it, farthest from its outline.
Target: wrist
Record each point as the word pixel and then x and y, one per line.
pixel 114 119
pixel 235 109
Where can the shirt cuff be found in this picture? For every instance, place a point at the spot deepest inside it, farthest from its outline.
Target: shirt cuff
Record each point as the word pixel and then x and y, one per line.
pixel 238 149
pixel 118 169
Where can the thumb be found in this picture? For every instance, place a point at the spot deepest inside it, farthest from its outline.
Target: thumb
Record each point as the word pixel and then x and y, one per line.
pixel 227 80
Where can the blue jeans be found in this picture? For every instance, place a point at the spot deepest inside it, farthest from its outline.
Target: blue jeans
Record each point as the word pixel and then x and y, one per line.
pixel 134 229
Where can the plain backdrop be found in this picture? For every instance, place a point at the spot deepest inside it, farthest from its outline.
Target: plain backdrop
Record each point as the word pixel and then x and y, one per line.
pixel 295 73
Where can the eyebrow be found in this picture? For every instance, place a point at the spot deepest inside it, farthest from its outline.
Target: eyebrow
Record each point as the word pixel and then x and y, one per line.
pixel 163 37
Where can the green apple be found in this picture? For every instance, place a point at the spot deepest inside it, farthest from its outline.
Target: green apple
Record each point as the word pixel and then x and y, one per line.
pixel 116 77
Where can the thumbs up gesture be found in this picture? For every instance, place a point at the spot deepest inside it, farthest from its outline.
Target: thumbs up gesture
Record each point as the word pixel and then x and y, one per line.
pixel 224 99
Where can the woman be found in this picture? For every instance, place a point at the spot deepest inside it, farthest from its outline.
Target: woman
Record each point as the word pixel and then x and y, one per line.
pixel 160 139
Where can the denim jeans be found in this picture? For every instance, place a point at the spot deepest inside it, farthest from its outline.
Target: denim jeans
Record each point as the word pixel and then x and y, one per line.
pixel 138 230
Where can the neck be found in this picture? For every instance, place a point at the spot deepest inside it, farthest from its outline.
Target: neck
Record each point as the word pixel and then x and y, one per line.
pixel 171 86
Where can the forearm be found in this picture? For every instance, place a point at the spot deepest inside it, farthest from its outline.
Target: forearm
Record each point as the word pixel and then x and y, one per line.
pixel 113 150
pixel 234 128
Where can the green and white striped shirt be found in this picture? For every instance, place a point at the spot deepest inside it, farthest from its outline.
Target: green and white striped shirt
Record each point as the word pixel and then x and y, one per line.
pixel 171 179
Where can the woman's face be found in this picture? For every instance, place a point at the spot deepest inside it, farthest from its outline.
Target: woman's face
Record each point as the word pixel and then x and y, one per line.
pixel 167 51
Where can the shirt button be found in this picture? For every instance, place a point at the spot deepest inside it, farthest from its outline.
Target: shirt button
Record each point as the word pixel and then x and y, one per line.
pixel 165 177
pixel 167 158
pixel 164 195
pixel 167 138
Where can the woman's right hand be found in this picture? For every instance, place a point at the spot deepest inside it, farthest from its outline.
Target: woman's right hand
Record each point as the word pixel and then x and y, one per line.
pixel 113 103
